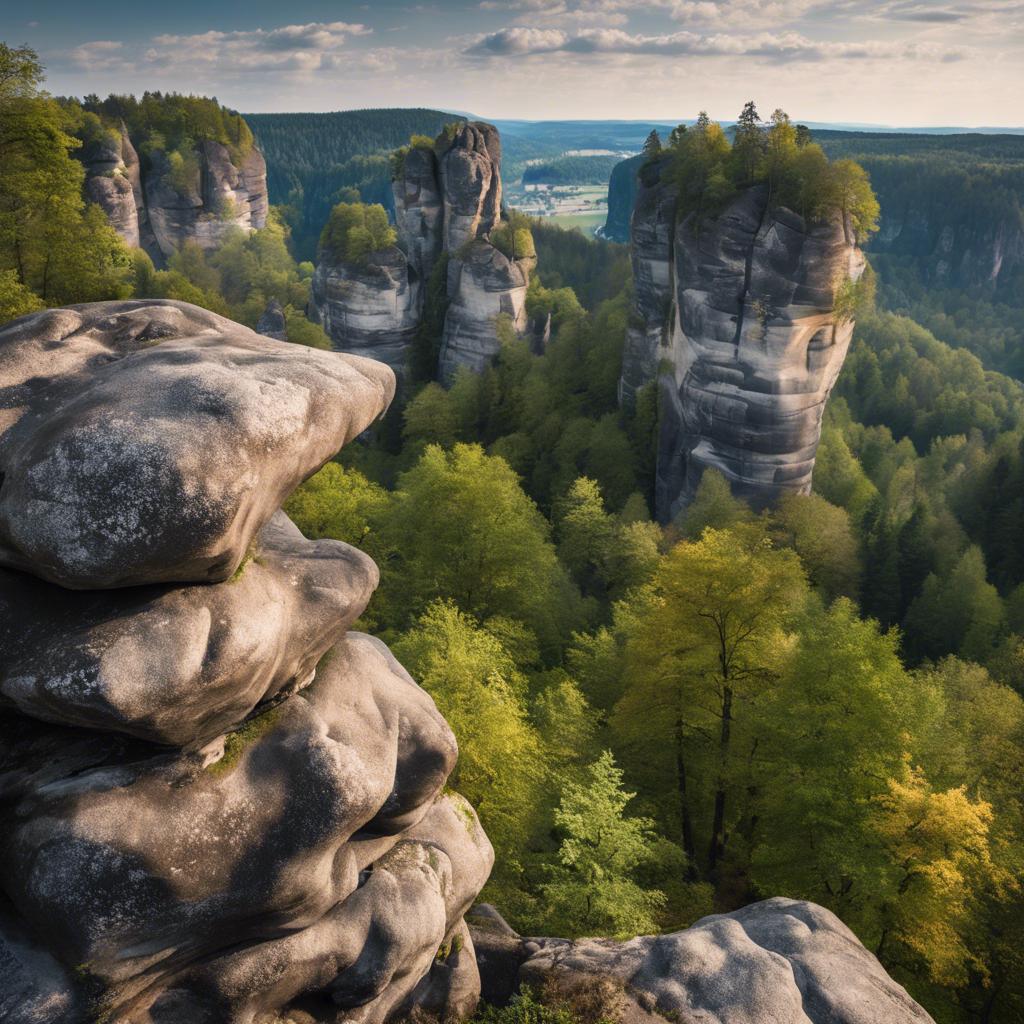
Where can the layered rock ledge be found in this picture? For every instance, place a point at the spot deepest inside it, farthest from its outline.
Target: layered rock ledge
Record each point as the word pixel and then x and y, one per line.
pixel 218 804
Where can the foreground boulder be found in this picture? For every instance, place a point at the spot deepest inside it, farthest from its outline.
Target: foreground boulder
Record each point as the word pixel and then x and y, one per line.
pixel 780 961
pixel 149 441
pixel 217 804
pixel 179 665
pixel 737 319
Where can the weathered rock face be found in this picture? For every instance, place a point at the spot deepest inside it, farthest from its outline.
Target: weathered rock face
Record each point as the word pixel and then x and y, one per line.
pixel 218 805
pixel 104 489
pixel 113 180
pixel 370 309
pixel 220 196
pixel 653 225
pixel 471 183
pixel 161 213
pixel 419 210
pixel 741 312
pixel 483 284
pixel 272 322
pixel 783 961
pixel 447 202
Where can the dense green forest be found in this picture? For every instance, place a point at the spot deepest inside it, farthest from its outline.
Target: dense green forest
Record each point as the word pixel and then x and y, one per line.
pixel 572 170
pixel 823 701
pixel 317 160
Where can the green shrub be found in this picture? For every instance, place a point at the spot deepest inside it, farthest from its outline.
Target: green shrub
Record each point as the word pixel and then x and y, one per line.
pixel 354 230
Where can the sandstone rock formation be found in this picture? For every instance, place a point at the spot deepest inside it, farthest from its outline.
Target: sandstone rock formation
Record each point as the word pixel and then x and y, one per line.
pixel 483 284
pixel 113 180
pixel 470 165
pixel 419 209
pixel 103 489
pixel 369 308
pixel 150 207
pixel 272 322
pixel 783 961
pixel 739 314
pixel 219 806
pixel 447 204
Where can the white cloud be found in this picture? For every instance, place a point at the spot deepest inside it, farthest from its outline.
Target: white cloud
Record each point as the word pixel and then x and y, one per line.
pixel 788 46
pixel 299 49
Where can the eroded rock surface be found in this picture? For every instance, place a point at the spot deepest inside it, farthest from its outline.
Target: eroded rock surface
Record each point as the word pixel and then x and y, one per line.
pixel 447 203
pixel 470 167
pixel 217 804
pixel 113 180
pixel 739 313
pixel 149 441
pixel 370 308
pixel 780 961
pixel 153 206
pixel 180 665
pixel 419 210
pixel 483 284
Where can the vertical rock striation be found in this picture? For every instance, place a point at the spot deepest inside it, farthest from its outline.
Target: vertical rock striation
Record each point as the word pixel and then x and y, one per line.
pixel 447 204
pixel 153 206
pixel 220 806
pixel 736 318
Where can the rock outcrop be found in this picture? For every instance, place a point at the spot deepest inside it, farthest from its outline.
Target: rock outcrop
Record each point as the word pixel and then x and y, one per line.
pixel 153 205
pixel 219 805
pixel 371 307
pixel 736 317
pixel 783 961
pixel 272 322
pixel 113 180
pixel 483 284
pixel 447 204
pixel 470 165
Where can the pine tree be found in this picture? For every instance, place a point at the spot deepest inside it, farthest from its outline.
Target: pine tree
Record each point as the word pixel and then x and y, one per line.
pixel 592 888
pixel 652 145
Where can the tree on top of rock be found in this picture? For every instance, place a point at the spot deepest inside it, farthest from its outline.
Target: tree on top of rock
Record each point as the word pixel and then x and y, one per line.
pixel 749 142
pixel 652 145
pixel 354 230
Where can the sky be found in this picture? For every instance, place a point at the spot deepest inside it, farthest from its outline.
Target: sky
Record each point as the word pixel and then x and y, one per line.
pixel 913 63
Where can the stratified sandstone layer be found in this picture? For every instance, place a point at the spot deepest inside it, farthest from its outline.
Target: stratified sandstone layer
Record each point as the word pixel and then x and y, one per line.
pixel 369 308
pixel 781 960
pixel 483 284
pixel 447 203
pixel 219 805
pixel 735 316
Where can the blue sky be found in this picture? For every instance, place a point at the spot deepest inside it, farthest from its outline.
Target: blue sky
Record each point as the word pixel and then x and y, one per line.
pixel 900 62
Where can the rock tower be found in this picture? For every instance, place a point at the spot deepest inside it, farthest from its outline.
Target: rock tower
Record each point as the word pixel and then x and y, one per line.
pixel 219 805
pixel 735 317
pixel 447 207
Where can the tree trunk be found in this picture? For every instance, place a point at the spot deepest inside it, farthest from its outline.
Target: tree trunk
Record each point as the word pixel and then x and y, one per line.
pixel 689 847
pixel 717 845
